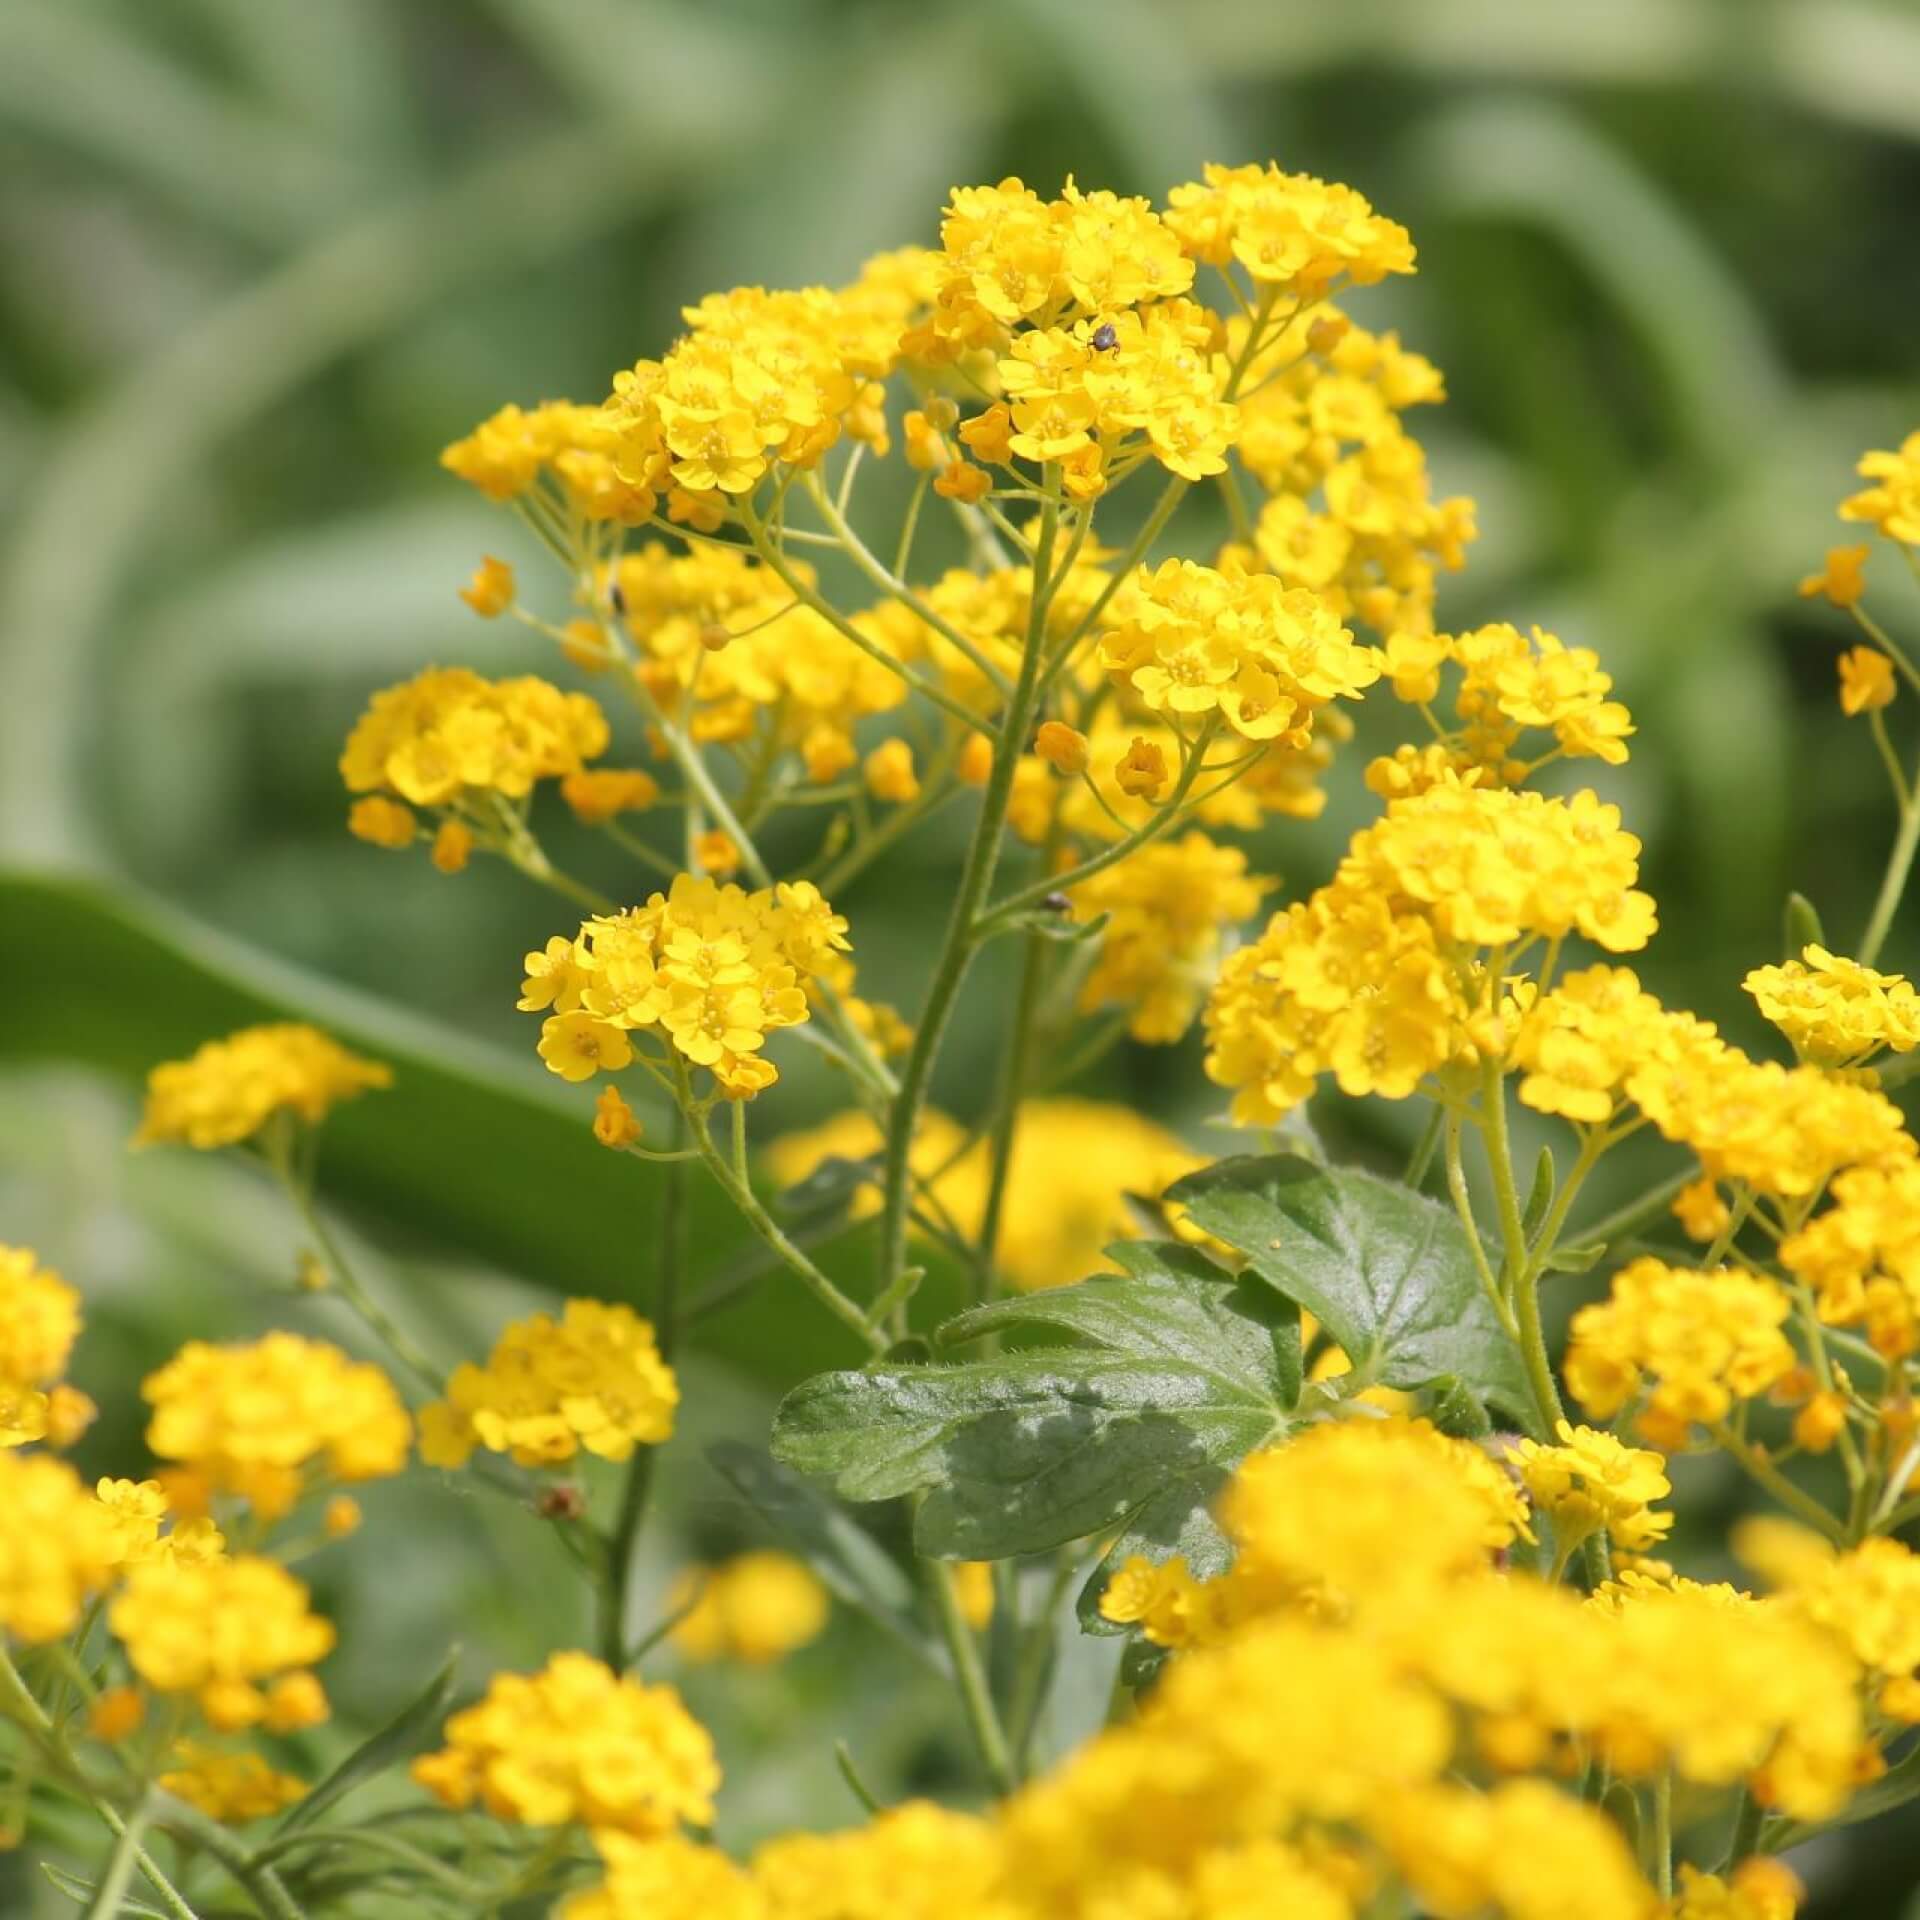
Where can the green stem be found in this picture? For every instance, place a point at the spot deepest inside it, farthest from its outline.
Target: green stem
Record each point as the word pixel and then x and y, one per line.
pixel 1023 898
pixel 1421 1158
pixel 970 1677
pixel 1754 1462
pixel 1663 1832
pixel 373 1316
pixel 769 1230
pixel 1006 1119
pixel 1463 1206
pixel 637 1487
pixel 962 940
pixel 1894 884
pixel 111 1888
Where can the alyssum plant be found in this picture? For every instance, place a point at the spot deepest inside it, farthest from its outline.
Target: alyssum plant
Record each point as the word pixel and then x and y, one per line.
pixel 1398 1636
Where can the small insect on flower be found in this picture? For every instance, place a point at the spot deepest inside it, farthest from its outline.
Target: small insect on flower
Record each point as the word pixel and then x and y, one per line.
pixel 1106 338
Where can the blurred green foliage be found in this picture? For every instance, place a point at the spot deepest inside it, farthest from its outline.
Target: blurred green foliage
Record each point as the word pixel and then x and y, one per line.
pixel 260 259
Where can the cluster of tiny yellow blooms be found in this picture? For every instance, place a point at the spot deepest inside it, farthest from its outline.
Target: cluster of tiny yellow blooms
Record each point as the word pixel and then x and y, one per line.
pixel 39 1322
pixel 710 970
pixel 1164 909
pixel 1694 1344
pixel 236 1635
pixel 577 1742
pixel 1191 643
pixel 232 1088
pixel 1320 416
pixel 1509 682
pixel 1892 503
pixel 1378 977
pixel 58 1549
pixel 1438 1710
pixel 515 449
pixel 229 1786
pixel 1590 1482
pixel 724 649
pixel 1834 1010
pixel 1073 1164
pixel 592 1380
pixel 1861 1256
pixel 266 1419
pixel 755 1608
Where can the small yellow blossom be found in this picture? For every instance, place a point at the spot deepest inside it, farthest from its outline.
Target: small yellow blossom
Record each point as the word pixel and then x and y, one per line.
pixel 577 1743
pixel 1866 681
pixel 755 1608
pixel 1142 771
pixel 452 846
pixel 717 853
pixel 890 775
pixel 1590 1481
pixel 599 794
pixel 592 1379
pixel 382 822
pixel 58 1548
pixel 1893 503
pixel 614 1124
pixel 232 1088
pixel 490 591
pixel 232 1788
pixel 1843 580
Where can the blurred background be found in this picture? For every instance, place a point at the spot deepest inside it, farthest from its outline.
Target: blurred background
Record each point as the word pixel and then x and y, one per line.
pixel 261 259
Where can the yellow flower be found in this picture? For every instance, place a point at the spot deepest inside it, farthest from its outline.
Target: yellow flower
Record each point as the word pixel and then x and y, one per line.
pixel 889 773
pixel 716 853
pixel 232 1088
pixel 613 1122
pixel 490 591
pixel 217 1631
pixel 1590 1481
pixel 597 795
pixel 1893 503
pixel 382 822
pixel 577 1743
pixel 1843 580
pixel 973 1591
pixel 1758 1889
pixel 1062 747
pixel 755 1608
pixel 1834 1010
pixel 39 1321
pixel 447 733
pixel 1168 908
pixel 229 1787
pixel 1142 771
pixel 576 1046
pixel 452 846
pixel 593 1379
pixel 255 1419
pixel 664 1877
pixel 1866 680
pixel 58 1548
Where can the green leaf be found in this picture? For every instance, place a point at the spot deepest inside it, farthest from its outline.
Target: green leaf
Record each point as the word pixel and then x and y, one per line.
pixel 399 1739
pixel 850 1562
pixel 1800 926
pixel 1540 1197
pixel 1176 1372
pixel 1387 1271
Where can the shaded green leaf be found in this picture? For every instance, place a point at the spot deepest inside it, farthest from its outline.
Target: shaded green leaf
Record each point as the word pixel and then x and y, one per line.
pixel 399 1739
pixel 1178 1372
pixel 1387 1271
pixel 850 1562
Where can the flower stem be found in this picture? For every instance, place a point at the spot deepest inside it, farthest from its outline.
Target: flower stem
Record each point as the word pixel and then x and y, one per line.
pixel 970 1677
pixel 1894 884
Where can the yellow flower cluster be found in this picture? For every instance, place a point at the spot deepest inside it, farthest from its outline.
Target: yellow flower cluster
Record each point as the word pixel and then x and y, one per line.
pixel 1578 1045
pixel 1365 979
pixel 235 1634
pixel 449 738
pixel 1834 1010
pixel 1288 231
pixel 755 1608
pixel 1697 1342
pixel 263 1419
pixel 1320 412
pixel 1758 1889
pixel 577 1742
pixel 1166 908
pixel 593 1379
pixel 1868 1595
pixel 1861 1256
pixel 39 1322
pixel 1189 642
pixel 138 1510
pixel 57 1550
pixel 1590 1481
pixel 761 378
pixel 1509 682
pixel 229 1787
pixel 1073 1166
pixel 507 453
pixel 230 1089
pixel 711 970
pixel 1892 503
pixel 725 649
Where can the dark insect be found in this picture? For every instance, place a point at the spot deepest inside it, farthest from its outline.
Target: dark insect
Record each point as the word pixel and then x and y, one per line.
pixel 616 599
pixel 1105 338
